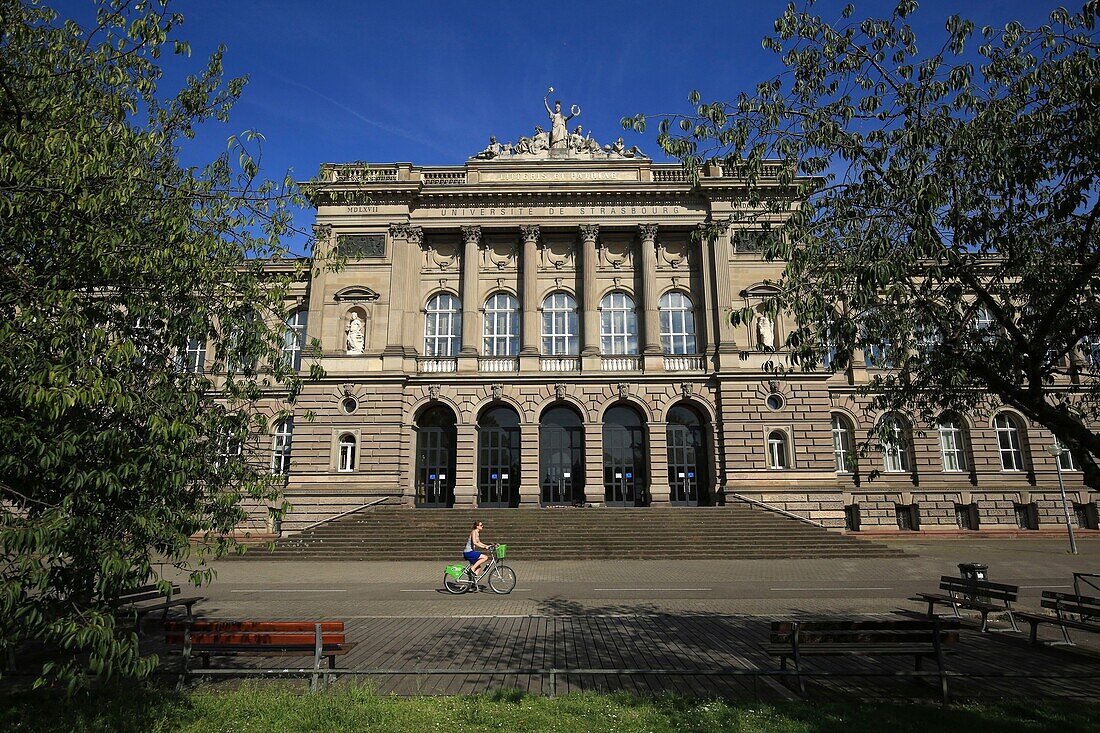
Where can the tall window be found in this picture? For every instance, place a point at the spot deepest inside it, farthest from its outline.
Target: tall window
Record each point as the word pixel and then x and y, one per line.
pixel 983 319
pixel 618 324
pixel 1090 349
pixel 952 445
pixel 1065 459
pixel 879 354
pixel 927 342
pixel 294 339
pixel 442 326
pixel 1008 443
pixel 194 358
pixel 895 451
pixel 559 325
pixel 677 323
pixel 842 444
pixel 347 452
pixel 280 447
pixel 777 450
pixel 501 326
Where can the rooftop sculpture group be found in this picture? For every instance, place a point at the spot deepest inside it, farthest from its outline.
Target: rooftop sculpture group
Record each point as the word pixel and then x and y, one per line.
pixel 558 143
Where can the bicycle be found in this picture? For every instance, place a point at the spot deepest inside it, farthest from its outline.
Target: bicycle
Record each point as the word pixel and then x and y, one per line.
pixel 501 578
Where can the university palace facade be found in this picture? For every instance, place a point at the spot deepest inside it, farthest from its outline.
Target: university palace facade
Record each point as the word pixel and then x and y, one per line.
pixel 539 327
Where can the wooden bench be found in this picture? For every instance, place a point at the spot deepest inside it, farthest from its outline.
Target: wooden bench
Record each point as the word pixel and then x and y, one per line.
pixel 848 637
pixel 137 601
pixel 207 638
pixel 982 596
pixel 1064 605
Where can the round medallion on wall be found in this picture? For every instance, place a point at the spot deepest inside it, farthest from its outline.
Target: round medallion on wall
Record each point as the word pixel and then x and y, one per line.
pixel 774 402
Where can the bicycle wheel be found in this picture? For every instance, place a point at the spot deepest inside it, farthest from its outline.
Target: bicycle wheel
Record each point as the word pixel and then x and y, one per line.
pixel 455 585
pixel 502 579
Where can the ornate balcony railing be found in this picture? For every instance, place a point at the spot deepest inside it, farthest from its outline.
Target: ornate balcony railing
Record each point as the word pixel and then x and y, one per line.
pixel 361 174
pixel 434 365
pixel 498 364
pixel 684 363
pixel 670 175
pixel 444 178
pixel 621 363
pixel 560 364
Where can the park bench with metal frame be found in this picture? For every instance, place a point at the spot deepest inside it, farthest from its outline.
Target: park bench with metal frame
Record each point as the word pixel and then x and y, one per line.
pixel 920 639
pixel 982 596
pixel 1065 607
pixel 136 601
pixel 208 638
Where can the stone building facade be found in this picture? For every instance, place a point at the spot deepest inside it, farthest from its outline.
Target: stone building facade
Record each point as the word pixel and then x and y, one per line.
pixel 540 327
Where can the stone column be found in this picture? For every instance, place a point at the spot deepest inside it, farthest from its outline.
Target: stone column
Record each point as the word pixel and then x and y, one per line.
pixel 471 238
pixel 723 296
pixel 651 329
pixel 530 332
pixel 590 328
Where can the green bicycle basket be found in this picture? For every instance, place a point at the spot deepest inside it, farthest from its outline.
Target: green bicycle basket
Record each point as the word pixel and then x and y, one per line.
pixel 455 571
pixel 502 550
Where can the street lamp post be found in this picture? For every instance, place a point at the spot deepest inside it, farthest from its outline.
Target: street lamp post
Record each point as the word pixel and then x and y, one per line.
pixel 1057 450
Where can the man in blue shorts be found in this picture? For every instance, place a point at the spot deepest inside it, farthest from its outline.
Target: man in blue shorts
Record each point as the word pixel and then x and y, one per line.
pixel 473 544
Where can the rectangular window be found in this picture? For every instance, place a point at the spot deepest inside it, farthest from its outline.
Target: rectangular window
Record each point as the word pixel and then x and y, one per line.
pixel 851 517
pixel 966 516
pixel 908 517
pixel 1086 515
pixel 1027 515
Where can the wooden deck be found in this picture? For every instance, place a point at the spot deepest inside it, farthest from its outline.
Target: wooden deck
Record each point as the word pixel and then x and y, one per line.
pixel 678 645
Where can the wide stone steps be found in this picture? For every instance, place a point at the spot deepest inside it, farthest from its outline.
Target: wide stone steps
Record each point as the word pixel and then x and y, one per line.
pixel 732 532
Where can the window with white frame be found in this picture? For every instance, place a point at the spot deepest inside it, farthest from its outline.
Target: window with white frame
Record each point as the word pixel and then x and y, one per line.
pixel 1090 349
pixel 194 358
pixel 347 453
pixel 1065 458
pixel 829 351
pixel 442 326
pixel 778 454
pixel 1008 442
pixel 618 324
pixel 501 326
pixel 559 325
pixel 842 444
pixel 927 340
pixel 983 318
pixel 294 339
pixel 677 316
pixel 952 444
pixel 280 447
pixel 895 451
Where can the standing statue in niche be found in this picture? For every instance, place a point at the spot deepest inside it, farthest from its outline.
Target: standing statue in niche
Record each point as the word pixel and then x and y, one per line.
pixel 765 332
pixel 356 339
pixel 559 130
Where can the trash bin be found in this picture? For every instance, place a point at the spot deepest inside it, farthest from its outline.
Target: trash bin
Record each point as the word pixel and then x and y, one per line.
pixel 974 571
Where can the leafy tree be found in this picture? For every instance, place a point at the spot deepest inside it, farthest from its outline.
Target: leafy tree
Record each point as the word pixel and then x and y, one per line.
pixel 944 204
pixel 115 448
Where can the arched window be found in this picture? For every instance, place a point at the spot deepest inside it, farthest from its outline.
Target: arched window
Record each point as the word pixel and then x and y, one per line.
pixel 843 453
pixel 895 448
pixel 347 452
pixel 294 339
pixel 952 444
pixel 443 326
pixel 559 325
pixel 1008 442
pixel 280 447
pixel 618 324
pixel 677 323
pixel 501 326
pixel 778 454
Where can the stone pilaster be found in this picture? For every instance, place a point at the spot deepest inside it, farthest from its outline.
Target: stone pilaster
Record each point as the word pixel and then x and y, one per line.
pixel 530 332
pixel 723 292
pixel 471 240
pixel 708 309
pixel 403 242
pixel 465 468
pixel 529 465
pixel 590 328
pixel 593 462
pixel 651 328
pixel 658 464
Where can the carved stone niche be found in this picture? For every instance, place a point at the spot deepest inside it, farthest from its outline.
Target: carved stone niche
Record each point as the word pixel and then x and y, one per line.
pixel 617 253
pixel 674 254
pixel 558 254
pixel 442 254
pixel 500 253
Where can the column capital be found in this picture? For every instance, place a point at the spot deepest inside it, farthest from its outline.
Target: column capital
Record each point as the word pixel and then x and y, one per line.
pixel 410 233
pixel 648 232
pixel 590 232
pixel 529 232
pixel 471 234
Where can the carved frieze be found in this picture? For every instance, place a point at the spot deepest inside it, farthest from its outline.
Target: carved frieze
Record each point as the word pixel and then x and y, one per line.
pixel 617 253
pixel 558 254
pixel 441 254
pixel 499 253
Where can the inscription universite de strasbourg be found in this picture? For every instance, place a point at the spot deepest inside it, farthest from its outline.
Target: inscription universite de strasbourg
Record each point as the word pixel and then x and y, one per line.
pixel 362 245
pixel 653 210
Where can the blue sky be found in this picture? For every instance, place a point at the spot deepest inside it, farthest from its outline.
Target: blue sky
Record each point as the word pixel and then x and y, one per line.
pixel 428 82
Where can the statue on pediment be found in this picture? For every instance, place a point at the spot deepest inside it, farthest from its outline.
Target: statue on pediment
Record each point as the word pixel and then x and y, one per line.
pixel 492 151
pixel 559 129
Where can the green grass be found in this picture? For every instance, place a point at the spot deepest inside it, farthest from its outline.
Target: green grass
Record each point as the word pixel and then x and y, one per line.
pixel 273 708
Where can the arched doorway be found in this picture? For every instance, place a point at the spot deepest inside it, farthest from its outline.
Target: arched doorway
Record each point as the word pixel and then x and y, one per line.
pixel 625 468
pixel 688 461
pixel 561 456
pixel 498 457
pixel 435 457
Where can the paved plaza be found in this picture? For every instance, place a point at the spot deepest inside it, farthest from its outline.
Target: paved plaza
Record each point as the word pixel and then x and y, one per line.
pixel 695 615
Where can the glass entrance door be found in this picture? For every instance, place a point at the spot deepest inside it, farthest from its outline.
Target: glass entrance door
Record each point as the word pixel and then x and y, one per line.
pixel 687 475
pixel 498 458
pixel 435 458
pixel 625 478
pixel 561 457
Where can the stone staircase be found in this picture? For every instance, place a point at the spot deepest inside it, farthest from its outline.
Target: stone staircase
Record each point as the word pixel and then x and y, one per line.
pixel 731 532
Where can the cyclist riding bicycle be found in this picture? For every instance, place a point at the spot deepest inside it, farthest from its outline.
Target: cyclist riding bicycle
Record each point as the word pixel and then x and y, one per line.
pixel 473 544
